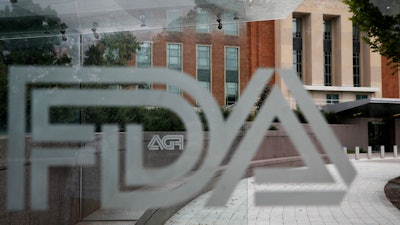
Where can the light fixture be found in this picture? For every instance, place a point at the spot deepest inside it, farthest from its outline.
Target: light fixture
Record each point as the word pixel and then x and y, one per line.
pixel 142 20
pixel 94 29
pixel 219 21
pixel 236 15
pixel 63 26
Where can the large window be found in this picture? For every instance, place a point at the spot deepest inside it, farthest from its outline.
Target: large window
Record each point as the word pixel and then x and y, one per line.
pixel 356 57
pixel 144 60
pixel 144 55
pixel 231 75
pixel 332 99
pixel 327 52
pixel 231 27
pixel 174 20
pixel 174 61
pixel 297 47
pixel 203 66
pixel 203 21
pixel 359 97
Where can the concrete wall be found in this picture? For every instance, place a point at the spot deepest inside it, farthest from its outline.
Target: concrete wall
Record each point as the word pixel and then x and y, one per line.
pixel 69 203
pixel 312 13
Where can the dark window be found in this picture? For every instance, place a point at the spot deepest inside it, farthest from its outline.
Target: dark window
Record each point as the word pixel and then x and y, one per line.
pixel 356 57
pixel 297 47
pixel 332 99
pixel 327 53
pixel 231 75
pixel 203 66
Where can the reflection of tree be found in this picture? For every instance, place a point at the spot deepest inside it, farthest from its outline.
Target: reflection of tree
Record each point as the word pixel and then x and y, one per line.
pixel 381 24
pixel 19 25
pixel 112 49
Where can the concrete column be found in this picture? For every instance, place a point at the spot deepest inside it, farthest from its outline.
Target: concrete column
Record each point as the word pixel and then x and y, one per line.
pixel 345 150
pixel 397 131
pixel 371 69
pixel 357 152
pixel 382 151
pixel 314 45
pixel 395 151
pixel 369 155
pixel 343 52
pixel 283 50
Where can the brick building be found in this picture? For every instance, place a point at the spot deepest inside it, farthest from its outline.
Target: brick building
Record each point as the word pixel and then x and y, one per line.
pixel 218 58
pixel 318 41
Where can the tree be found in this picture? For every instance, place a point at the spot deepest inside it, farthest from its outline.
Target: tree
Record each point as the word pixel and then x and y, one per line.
pixel 112 49
pixel 380 21
pixel 20 26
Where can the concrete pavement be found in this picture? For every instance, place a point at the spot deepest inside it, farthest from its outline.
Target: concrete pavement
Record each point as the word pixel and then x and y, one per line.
pixel 365 203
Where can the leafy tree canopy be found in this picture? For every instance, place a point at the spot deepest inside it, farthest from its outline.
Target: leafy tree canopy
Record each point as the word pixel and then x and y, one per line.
pixel 29 35
pixel 380 21
pixel 112 49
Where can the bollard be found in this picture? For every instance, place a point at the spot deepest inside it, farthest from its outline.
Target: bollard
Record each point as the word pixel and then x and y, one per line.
pixel 382 151
pixel 369 152
pixel 357 153
pixel 345 150
pixel 395 151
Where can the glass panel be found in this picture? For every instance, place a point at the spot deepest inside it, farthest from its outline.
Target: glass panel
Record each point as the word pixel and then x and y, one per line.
pixel 230 27
pixel 203 21
pixel 130 112
pixel 174 20
pixel 144 55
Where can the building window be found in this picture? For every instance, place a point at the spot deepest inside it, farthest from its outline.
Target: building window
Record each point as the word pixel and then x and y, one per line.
pixel 356 56
pixel 231 27
pixel 327 52
pixel 297 47
pixel 143 56
pixel 174 61
pixel 203 21
pixel 332 99
pixel 203 66
pixel 173 20
pixel 143 60
pixel 359 97
pixel 231 75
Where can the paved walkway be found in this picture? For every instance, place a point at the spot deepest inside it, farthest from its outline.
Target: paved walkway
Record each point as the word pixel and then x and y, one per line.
pixel 364 204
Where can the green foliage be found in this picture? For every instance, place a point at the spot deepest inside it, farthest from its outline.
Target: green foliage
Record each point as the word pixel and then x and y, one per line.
pixel 18 46
pixel 263 96
pixel 381 25
pixel 332 118
pixel 26 19
pixel 299 116
pixel 203 120
pixel 225 112
pixel 94 56
pixel 112 49
pixel 154 119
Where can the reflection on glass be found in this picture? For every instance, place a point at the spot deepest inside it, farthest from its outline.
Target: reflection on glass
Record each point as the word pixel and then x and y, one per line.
pixel 232 74
pixel 203 65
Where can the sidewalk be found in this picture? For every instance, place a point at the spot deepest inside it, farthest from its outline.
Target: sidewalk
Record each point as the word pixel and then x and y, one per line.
pixel 365 203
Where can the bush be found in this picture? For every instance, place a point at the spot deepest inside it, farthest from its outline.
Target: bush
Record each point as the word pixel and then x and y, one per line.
pixel 152 119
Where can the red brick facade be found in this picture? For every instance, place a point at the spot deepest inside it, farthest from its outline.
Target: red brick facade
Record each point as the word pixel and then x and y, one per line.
pixel 261 42
pixel 390 80
pixel 217 40
pixel 256 49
